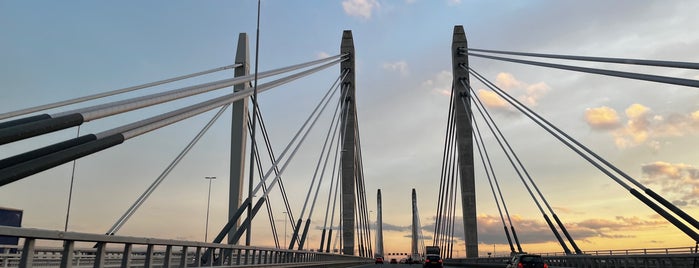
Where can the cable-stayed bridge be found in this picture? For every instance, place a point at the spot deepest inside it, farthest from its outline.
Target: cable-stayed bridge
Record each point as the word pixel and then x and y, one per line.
pixel 336 189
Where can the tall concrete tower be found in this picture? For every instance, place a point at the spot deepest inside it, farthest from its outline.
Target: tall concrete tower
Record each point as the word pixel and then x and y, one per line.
pixel 379 226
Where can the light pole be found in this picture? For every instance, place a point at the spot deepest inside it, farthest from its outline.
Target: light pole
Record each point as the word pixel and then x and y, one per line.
pixel 286 220
pixel 208 202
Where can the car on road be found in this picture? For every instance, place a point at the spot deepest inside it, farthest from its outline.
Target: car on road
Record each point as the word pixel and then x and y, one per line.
pixel 527 261
pixel 393 261
pixel 379 260
pixel 433 261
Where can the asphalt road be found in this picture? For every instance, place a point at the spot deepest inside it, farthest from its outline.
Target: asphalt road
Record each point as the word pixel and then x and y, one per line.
pixel 396 266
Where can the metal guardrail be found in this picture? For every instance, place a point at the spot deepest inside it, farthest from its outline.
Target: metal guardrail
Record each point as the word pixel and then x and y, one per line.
pixel 681 257
pixel 151 252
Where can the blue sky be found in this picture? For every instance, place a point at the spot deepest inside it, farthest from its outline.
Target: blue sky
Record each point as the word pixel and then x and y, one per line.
pixel 52 51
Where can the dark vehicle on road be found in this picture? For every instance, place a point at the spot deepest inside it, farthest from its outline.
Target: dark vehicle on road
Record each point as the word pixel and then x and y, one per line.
pixel 393 261
pixel 433 261
pixel 527 261
pixel 379 260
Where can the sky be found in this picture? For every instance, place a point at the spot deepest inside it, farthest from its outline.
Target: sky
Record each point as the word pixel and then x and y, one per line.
pixel 52 51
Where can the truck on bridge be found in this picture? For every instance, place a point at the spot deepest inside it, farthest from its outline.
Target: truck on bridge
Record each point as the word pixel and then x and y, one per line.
pixel 431 250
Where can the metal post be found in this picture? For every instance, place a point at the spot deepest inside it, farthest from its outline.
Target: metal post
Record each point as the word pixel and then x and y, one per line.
pixel 464 140
pixel 126 255
pixel 348 156
pixel 68 254
pixel 27 257
pixel 239 134
pixel 286 221
pixel 208 202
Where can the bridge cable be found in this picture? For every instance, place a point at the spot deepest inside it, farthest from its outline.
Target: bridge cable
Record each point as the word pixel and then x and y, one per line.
pixel 315 115
pixel 32 162
pixel 330 191
pixel 540 121
pixel 510 152
pixel 258 161
pixel 23 128
pixel 297 227
pixel 102 95
pixel 253 98
pixel 362 192
pixel 519 174
pixel 144 196
pixel 332 129
pixel 455 183
pixel 446 156
pixel 488 170
pixel 268 145
pixel 70 190
pixel 451 179
pixel 656 63
pixel 648 191
pixel 337 186
pixel 629 75
pixel 450 176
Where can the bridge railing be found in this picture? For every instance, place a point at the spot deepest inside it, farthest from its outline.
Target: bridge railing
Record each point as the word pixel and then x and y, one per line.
pixel 637 251
pixel 678 257
pixel 125 251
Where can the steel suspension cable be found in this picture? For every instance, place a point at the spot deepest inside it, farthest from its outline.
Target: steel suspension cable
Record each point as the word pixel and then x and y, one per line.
pixel 521 166
pixel 455 184
pixel 258 161
pixel 450 168
pixel 109 93
pixel 691 220
pixel 487 169
pixel 337 186
pixel 297 228
pixel 360 178
pixel 37 125
pixel 268 145
pixel 331 130
pixel 450 199
pixel 447 147
pixel 656 63
pixel 558 135
pixel 22 165
pixel 298 133
pixel 314 116
pixel 144 196
pixel 330 191
pixel 629 75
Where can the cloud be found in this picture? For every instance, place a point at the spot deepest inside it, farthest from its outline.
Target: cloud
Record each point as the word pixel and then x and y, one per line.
pixel 453 2
pixel 322 55
pixel 399 66
pixel 534 93
pixel 440 83
pixel 490 228
pixel 360 8
pixel 395 228
pixel 507 81
pixel 602 118
pixel 492 100
pixel 678 182
pixel 530 93
pixel 642 127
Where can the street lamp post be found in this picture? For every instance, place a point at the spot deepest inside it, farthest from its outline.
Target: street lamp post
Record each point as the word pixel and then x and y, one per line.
pixel 208 202
pixel 286 220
